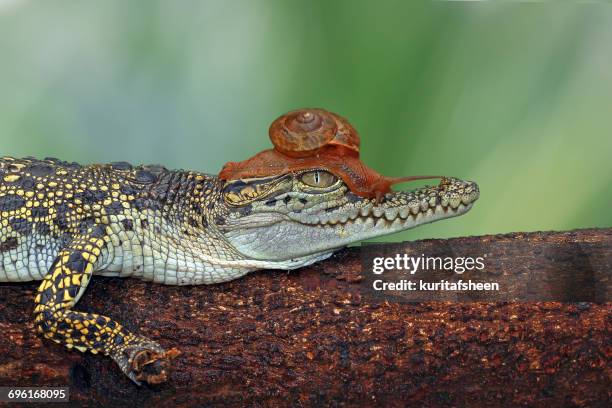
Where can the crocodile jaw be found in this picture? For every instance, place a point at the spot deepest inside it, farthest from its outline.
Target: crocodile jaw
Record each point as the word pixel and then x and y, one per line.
pixel 278 236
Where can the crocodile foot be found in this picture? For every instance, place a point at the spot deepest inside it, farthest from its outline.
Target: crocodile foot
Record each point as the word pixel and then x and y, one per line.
pixel 152 367
pixel 147 363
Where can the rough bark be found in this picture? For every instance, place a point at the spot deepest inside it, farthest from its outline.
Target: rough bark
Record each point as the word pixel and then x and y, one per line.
pixel 313 337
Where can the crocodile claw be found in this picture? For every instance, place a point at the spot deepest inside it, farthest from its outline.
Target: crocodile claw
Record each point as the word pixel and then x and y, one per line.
pixel 146 363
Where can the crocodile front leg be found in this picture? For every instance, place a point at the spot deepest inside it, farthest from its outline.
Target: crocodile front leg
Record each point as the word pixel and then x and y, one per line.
pixel 140 358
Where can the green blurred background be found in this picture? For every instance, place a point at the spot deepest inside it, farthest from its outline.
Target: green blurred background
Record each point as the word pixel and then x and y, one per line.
pixel 516 96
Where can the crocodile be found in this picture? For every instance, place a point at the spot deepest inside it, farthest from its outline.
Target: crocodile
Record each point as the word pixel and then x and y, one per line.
pixel 61 223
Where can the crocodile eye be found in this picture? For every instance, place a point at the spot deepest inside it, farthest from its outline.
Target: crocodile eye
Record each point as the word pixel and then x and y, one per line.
pixel 319 179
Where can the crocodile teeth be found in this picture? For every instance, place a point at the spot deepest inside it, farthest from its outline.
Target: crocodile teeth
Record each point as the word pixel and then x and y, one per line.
pixel 404 212
pixel 365 211
pixel 444 201
pixel 454 201
pixel 312 219
pixel 332 221
pixel 391 214
pixel 378 212
pixel 414 207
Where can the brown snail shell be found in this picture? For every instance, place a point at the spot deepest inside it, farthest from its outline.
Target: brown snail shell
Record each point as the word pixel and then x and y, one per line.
pixel 304 132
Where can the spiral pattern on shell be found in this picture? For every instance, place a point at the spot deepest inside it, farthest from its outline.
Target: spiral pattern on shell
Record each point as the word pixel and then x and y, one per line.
pixel 303 132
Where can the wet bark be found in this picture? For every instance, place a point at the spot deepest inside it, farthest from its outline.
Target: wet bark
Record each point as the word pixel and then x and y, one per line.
pixel 314 337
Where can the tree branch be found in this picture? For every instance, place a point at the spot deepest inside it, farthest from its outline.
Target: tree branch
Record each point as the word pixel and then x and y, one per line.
pixel 313 337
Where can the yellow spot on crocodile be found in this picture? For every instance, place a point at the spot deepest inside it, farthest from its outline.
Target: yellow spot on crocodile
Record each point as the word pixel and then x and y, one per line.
pixel 11 178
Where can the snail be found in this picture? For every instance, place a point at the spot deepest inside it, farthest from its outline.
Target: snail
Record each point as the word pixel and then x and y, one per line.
pixel 303 132
pixel 309 139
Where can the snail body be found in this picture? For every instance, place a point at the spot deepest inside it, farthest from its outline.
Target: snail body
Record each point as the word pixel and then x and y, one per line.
pixel 307 139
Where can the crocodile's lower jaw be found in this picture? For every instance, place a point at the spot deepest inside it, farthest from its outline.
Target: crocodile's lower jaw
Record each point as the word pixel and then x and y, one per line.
pixel 372 226
pixel 291 237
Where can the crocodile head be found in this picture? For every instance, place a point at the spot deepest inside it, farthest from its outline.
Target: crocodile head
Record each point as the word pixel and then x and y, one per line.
pixel 304 215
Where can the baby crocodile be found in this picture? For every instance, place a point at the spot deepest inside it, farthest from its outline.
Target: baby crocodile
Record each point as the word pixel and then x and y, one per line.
pixel 62 223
